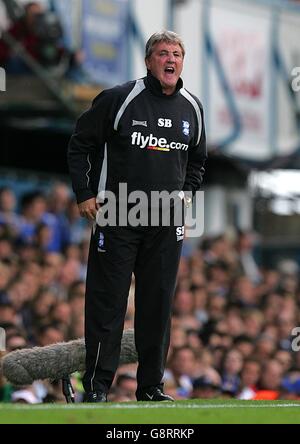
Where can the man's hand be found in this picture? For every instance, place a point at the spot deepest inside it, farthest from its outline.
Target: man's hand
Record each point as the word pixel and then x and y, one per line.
pixel 89 208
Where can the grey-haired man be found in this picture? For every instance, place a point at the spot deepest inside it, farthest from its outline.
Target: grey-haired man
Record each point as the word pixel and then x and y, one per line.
pixel 148 134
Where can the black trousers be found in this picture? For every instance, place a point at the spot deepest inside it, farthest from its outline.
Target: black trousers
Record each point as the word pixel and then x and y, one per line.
pixel 152 254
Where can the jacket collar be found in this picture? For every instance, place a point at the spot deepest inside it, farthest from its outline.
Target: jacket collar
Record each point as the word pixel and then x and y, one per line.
pixel 155 87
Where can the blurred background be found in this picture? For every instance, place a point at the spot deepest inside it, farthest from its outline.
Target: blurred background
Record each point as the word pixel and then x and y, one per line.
pixel 237 298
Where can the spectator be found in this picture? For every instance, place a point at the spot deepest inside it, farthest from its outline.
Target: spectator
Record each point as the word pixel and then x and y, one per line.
pixel 6 274
pixel 15 341
pixel 52 264
pixel 245 345
pixel 40 310
pixel 32 31
pixel 182 368
pixel 206 388
pixel 232 366
pixel 270 381
pixel 125 387
pixel 250 377
pixel 184 309
pixel 265 347
pixel 6 248
pixel 33 210
pixel 253 321
pixel 8 314
pixel 290 388
pixel 285 359
pixel 58 201
pixel 8 216
pixel 49 334
pixel 247 263
pixel 244 293
pixel 60 315
pixel 78 226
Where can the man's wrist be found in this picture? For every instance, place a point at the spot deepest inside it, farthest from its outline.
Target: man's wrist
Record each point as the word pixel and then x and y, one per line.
pixel 187 201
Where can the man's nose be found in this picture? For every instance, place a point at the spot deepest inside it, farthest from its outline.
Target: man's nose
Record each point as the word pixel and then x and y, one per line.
pixel 171 58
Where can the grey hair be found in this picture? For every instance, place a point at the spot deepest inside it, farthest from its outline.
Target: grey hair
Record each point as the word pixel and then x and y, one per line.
pixel 163 36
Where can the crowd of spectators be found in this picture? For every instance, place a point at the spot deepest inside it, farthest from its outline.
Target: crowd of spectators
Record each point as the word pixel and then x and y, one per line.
pixel 232 321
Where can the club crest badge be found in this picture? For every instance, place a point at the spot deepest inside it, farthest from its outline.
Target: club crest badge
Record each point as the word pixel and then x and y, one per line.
pixel 185 128
pixel 101 247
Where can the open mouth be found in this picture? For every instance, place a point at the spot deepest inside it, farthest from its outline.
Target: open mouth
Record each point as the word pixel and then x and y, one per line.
pixel 170 70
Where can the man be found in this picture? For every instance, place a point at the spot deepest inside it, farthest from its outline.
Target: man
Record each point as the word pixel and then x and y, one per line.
pixel 148 134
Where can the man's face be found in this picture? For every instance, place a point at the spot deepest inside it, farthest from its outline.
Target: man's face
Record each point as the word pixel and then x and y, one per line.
pixel 166 64
pixel 32 12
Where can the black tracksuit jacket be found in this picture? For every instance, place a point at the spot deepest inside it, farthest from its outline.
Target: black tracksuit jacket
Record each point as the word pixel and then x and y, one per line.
pixel 137 135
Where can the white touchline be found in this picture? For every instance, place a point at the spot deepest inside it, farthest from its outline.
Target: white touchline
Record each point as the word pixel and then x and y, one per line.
pixel 148 406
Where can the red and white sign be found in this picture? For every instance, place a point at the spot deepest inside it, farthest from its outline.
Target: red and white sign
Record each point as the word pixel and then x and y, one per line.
pixel 242 43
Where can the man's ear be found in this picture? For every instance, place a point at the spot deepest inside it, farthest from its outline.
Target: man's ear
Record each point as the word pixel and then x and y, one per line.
pixel 147 63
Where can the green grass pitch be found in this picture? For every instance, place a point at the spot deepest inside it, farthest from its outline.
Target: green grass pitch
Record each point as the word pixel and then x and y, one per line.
pixel 180 412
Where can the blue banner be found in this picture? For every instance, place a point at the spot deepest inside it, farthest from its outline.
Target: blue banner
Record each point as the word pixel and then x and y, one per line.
pixel 68 12
pixel 104 40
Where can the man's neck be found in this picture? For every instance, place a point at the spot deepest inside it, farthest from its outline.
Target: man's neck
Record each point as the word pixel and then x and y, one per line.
pixel 159 89
pixel 168 91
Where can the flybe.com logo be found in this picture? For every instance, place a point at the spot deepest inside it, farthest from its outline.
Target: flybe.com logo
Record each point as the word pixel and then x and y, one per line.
pixel 154 143
pixel 2 80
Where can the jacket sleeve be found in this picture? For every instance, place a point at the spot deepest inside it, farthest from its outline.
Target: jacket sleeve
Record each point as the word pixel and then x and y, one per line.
pixel 196 161
pixel 91 132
